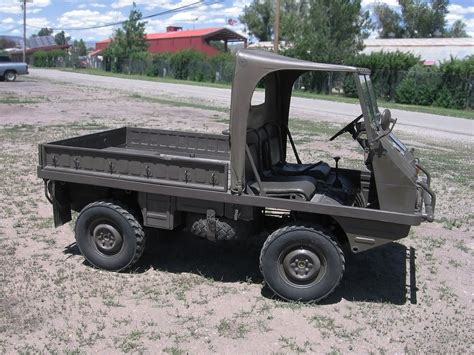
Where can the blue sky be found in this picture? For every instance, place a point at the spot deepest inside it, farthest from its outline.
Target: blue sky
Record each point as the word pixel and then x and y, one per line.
pixel 73 14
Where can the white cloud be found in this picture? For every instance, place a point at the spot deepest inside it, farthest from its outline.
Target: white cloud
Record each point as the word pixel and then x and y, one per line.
pixel 460 10
pixel 37 22
pixel 14 7
pixel 152 4
pixel 88 18
pixel 392 3
pixel 7 21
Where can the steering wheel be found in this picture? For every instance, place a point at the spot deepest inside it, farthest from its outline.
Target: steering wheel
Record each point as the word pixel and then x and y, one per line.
pixel 348 128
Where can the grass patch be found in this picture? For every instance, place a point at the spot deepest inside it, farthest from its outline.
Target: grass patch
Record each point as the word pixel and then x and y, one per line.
pixel 169 102
pixel 129 343
pixel 468 114
pixel 101 72
pixel 14 99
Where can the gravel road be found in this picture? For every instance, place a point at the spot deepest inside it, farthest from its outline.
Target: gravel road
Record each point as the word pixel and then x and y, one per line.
pixel 443 127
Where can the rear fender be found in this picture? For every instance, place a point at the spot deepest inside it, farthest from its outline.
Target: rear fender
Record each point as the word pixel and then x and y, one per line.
pixel 57 195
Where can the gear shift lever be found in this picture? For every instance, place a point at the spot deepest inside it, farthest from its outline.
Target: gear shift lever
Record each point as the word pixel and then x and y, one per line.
pixel 337 183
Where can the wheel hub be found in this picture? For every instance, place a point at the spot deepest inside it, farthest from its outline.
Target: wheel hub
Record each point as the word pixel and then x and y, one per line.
pixel 302 265
pixel 107 239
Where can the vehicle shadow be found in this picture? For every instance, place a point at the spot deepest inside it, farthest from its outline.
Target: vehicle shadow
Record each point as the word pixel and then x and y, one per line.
pixel 378 275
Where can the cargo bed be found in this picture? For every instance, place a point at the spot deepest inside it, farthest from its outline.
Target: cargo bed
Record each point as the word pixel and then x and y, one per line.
pixel 164 157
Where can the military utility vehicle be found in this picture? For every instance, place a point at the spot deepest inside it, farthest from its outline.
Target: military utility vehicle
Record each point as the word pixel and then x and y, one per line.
pixel 240 184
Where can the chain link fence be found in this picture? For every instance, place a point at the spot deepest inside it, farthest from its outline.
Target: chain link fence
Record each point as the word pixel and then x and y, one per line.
pixel 420 85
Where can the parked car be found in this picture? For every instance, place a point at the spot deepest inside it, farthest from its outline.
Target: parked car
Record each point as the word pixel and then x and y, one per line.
pixel 239 184
pixel 9 70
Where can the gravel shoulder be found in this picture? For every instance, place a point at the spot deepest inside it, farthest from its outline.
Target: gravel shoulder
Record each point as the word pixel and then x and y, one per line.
pixel 188 295
pixel 429 125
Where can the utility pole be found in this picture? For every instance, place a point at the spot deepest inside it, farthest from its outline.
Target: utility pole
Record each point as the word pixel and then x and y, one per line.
pixel 276 27
pixel 24 31
pixel 23 5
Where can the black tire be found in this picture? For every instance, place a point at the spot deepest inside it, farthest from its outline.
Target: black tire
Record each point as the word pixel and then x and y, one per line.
pixel 224 231
pixel 109 236
pixel 301 263
pixel 2 78
pixel 10 75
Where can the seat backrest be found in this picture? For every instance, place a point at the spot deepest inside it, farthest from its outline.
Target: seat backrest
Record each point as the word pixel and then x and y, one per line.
pixel 275 148
pixel 253 142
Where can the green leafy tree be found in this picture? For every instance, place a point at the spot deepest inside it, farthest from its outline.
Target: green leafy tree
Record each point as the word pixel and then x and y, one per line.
pixel 7 43
pixel 130 39
pixel 457 29
pixel 61 39
pixel 45 31
pixel 81 47
pixel 388 21
pixel 258 19
pixel 416 19
pixel 321 37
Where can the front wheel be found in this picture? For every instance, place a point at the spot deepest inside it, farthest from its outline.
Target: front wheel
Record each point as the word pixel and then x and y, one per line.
pixel 10 76
pixel 109 236
pixel 301 263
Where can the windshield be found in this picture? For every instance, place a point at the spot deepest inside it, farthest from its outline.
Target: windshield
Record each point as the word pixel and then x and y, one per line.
pixel 370 99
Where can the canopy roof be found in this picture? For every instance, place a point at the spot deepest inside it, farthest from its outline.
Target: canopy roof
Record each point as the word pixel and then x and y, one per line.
pixel 279 73
pixel 270 60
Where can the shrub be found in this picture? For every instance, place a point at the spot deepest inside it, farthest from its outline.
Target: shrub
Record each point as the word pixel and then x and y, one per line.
pixel 180 63
pixel 385 68
pixel 419 87
pixel 456 90
pixel 49 59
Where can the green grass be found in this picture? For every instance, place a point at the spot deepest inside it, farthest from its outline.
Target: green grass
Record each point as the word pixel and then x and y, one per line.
pixel 13 99
pixel 468 114
pixel 101 72
pixel 169 102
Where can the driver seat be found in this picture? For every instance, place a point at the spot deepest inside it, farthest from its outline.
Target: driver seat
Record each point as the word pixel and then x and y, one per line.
pixel 272 153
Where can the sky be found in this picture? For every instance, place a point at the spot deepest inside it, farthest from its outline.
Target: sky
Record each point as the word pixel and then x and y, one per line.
pixel 77 14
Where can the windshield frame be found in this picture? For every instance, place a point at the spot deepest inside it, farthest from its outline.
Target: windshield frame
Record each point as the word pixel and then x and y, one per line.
pixel 368 103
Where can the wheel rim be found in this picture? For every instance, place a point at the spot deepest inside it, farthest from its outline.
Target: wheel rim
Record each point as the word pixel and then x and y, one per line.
pixel 301 266
pixel 107 238
pixel 10 76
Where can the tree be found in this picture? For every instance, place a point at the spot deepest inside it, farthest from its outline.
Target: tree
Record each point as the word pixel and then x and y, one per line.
pixel 79 48
pixel 328 31
pixel 416 19
pixel 128 42
pixel 130 39
pixel 258 19
pixel 45 31
pixel 7 43
pixel 388 21
pixel 61 39
pixel 457 29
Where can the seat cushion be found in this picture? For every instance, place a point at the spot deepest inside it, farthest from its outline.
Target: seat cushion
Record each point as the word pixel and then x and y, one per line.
pixel 319 172
pixel 302 187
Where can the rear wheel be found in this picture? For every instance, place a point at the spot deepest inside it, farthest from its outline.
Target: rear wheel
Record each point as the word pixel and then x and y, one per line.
pixel 301 263
pixel 10 76
pixel 109 236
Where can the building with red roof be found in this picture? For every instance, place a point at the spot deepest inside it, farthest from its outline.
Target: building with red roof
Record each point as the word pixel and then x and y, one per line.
pixel 176 39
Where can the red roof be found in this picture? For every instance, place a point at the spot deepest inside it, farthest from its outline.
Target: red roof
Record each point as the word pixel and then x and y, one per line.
pixel 178 34
pixel 97 52
pixel 186 33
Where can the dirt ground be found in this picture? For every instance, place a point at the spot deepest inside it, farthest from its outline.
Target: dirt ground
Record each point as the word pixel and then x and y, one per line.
pixel 188 295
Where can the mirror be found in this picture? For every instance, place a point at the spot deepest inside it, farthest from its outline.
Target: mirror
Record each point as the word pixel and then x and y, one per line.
pixel 385 119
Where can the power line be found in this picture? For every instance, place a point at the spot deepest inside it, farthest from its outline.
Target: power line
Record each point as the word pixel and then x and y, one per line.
pixel 166 12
